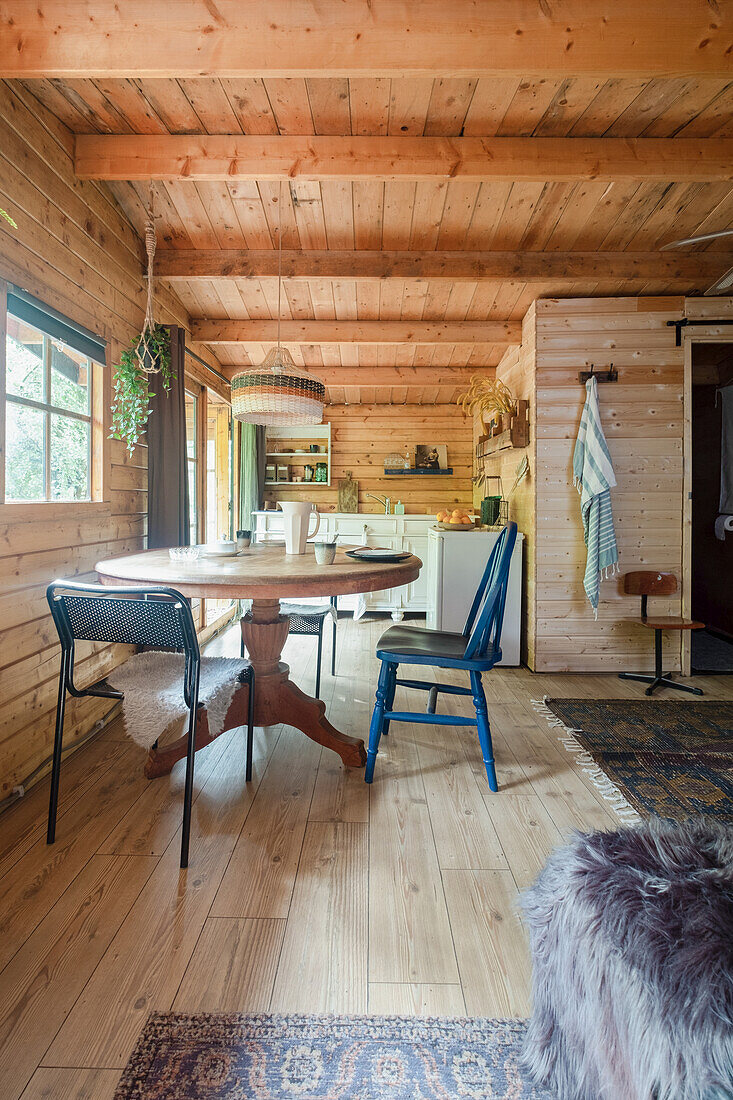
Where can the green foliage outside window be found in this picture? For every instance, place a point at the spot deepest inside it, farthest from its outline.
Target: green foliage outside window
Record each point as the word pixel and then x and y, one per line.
pixel 27 438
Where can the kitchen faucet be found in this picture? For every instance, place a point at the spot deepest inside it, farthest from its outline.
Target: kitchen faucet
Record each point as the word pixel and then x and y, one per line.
pixel 382 500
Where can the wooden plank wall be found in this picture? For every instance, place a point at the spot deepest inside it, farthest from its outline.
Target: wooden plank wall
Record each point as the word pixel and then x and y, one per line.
pixel 642 415
pixel 74 250
pixel 516 370
pixel 361 438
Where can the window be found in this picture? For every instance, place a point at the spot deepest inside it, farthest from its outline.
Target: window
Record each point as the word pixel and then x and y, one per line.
pixel 211 487
pixel 49 420
pixel 219 488
pixel 192 420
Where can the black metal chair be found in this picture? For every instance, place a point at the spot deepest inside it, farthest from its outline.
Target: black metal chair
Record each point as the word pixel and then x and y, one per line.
pixel 309 619
pixel 145 616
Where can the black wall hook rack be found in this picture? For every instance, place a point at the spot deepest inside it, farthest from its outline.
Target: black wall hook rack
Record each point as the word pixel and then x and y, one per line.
pixel 610 375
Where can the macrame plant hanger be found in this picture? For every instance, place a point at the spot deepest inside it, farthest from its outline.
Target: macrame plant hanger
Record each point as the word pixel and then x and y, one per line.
pixel 148 360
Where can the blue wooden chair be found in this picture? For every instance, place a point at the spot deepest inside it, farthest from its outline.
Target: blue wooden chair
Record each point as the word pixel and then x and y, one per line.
pixel 477 649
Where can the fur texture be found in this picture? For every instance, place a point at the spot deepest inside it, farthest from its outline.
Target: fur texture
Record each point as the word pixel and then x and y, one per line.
pixel 153 687
pixel 632 945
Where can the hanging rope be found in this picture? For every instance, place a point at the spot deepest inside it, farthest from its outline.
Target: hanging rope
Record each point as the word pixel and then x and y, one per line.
pixel 145 348
pixel 150 249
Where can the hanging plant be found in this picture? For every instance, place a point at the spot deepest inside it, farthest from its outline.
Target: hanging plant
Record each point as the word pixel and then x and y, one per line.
pixel 149 353
pixel 4 214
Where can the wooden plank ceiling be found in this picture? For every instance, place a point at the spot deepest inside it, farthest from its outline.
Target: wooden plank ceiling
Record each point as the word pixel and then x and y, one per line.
pixel 514 235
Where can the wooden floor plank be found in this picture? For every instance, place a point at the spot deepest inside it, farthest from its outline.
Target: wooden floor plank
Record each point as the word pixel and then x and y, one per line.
pixel 492 952
pixel 148 827
pixel 465 836
pixel 323 964
pixel 27 823
pixel 409 933
pixel 526 831
pixel 39 878
pixel 72 1084
pixel 145 963
pixel 401 999
pixel 260 876
pixel 42 981
pixel 340 793
pixel 233 967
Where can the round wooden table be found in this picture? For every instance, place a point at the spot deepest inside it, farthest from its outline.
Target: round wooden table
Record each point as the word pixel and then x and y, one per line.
pixel 265 574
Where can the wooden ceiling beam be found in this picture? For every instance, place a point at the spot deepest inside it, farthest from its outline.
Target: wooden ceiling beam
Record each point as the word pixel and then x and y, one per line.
pixel 233 157
pixel 374 333
pixel 411 377
pixel 182 264
pixel 289 38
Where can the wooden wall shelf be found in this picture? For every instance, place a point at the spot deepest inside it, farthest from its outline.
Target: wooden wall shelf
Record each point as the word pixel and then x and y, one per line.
pixel 515 434
pixel 417 472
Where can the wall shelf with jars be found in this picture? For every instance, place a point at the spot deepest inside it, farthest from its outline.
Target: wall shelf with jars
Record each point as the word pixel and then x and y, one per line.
pixel 299 455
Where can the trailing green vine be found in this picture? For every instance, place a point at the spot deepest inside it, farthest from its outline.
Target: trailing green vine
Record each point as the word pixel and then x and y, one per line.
pixel 8 219
pixel 149 353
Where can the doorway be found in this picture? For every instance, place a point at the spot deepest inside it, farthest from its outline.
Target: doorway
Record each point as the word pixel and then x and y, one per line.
pixel 711 558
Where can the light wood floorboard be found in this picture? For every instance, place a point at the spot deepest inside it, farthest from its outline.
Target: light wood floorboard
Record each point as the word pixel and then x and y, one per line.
pixel 306 890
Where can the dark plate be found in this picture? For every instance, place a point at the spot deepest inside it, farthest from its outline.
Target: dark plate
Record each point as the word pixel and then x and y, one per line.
pixel 377 554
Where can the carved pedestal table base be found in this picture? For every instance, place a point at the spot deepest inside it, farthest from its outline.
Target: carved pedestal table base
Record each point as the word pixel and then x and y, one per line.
pixel 265 576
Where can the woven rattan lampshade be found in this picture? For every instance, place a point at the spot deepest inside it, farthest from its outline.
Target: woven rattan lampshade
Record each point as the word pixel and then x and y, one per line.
pixel 278 393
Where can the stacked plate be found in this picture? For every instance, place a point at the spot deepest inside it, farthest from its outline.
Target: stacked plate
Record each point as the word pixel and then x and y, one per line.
pixel 377 554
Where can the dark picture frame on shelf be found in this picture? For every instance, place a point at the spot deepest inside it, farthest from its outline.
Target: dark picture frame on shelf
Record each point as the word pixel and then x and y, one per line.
pixel 431 456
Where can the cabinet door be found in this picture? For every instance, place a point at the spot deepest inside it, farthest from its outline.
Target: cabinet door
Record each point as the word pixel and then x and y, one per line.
pixel 386 598
pixel 415 595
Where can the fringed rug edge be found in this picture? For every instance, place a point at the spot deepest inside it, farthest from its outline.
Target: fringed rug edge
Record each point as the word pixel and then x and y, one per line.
pixel 608 790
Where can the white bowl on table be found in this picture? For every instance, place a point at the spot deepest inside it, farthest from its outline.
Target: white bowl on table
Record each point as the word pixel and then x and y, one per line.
pixel 222 549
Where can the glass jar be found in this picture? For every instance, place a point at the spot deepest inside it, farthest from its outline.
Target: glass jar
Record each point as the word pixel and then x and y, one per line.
pixel 309 473
pixel 322 472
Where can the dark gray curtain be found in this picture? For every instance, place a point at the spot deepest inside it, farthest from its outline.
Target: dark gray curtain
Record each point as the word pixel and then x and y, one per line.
pixel 168 519
pixel 261 446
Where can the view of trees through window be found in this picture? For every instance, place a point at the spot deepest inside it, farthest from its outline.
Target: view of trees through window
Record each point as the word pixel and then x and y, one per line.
pixel 48 417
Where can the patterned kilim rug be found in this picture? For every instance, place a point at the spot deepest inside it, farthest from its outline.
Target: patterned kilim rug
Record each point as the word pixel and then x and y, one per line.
pixel 673 759
pixel 235 1057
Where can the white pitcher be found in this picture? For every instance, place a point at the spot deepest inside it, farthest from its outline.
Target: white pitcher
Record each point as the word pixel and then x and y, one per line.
pixel 297 516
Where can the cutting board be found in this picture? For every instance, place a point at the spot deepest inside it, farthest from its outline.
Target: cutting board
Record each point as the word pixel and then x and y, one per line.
pixel 348 494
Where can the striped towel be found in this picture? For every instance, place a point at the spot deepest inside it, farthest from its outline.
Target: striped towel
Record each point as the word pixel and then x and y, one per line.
pixel 593 477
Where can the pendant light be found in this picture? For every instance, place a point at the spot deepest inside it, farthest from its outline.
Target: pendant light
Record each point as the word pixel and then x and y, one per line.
pixel 278 393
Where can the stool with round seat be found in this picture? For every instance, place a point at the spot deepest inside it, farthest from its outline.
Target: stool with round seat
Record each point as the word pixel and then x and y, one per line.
pixel 647 583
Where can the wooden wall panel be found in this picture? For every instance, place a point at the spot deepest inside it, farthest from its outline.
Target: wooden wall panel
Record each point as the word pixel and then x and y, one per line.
pixel 516 370
pixel 75 250
pixel 642 415
pixel 361 438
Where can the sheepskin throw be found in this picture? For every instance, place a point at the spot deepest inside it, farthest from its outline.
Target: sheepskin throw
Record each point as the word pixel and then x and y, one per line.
pixel 631 936
pixel 153 687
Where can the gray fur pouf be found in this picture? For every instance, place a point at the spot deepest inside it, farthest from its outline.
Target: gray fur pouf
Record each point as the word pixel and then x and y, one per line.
pixel 631 935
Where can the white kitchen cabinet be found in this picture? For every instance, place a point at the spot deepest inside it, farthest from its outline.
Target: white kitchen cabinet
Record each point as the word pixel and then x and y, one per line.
pixel 372 529
pixel 455 564
pixel 416 594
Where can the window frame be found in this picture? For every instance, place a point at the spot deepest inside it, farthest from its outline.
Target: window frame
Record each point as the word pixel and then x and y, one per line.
pixel 95 417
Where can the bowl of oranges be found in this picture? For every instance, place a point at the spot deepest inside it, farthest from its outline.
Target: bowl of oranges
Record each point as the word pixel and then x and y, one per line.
pixel 454 519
